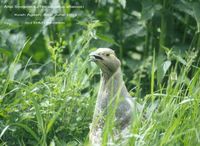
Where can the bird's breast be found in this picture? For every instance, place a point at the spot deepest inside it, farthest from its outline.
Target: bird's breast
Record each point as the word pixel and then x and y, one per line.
pixel 104 99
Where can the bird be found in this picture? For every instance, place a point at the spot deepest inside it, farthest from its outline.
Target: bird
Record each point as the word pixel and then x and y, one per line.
pixel 112 96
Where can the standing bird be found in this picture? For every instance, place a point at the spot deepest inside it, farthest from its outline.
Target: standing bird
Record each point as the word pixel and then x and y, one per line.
pixel 112 95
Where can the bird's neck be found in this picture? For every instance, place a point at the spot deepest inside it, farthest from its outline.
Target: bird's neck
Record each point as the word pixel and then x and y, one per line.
pixel 114 77
pixel 113 84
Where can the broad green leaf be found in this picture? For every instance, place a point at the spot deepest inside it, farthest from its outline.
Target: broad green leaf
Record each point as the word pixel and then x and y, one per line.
pixel 166 66
pixel 163 67
pixel 123 3
pixel 135 29
pixel 149 9
pixel 183 6
pixel 107 39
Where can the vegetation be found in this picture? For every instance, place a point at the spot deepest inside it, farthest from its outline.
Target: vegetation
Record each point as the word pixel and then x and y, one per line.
pixel 48 86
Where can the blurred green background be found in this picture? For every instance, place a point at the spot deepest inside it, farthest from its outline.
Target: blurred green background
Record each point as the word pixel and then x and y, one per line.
pixel 45 75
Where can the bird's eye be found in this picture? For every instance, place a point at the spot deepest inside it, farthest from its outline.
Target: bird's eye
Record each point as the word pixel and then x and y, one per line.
pixel 107 54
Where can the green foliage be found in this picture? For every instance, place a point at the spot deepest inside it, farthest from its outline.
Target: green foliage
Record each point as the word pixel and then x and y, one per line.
pixel 48 87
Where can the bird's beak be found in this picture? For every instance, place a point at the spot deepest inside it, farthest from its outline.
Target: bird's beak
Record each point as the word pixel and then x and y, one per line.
pixel 95 57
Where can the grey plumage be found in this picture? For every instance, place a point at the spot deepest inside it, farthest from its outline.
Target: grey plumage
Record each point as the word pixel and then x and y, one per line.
pixel 112 93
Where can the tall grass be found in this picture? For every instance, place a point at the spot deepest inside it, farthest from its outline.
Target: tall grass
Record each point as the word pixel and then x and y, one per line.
pixel 55 109
pixel 53 103
pixel 171 112
pixel 58 108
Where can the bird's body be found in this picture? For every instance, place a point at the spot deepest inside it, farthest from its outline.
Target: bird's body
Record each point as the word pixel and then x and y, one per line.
pixel 112 96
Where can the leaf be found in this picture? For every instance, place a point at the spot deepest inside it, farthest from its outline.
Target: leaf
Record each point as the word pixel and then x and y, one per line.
pixel 183 6
pixel 163 67
pixel 107 39
pixel 166 66
pixel 169 131
pixel 8 24
pixel 15 66
pixel 160 71
pixel 135 29
pixel 53 119
pixel 173 76
pixel 28 129
pixel 190 9
pixel 149 9
pixel 25 127
pixel 123 3
pixel 132 64
pixel 186 101
pixel 5 51
pixel 72 143
pixel 52 143
pixel 196 10
pixel 13 69
pixel 3 131
pixel 38 115
pixel 180 59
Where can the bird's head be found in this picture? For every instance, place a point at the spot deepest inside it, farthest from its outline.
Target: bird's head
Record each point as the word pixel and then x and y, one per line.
pixel 106 59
